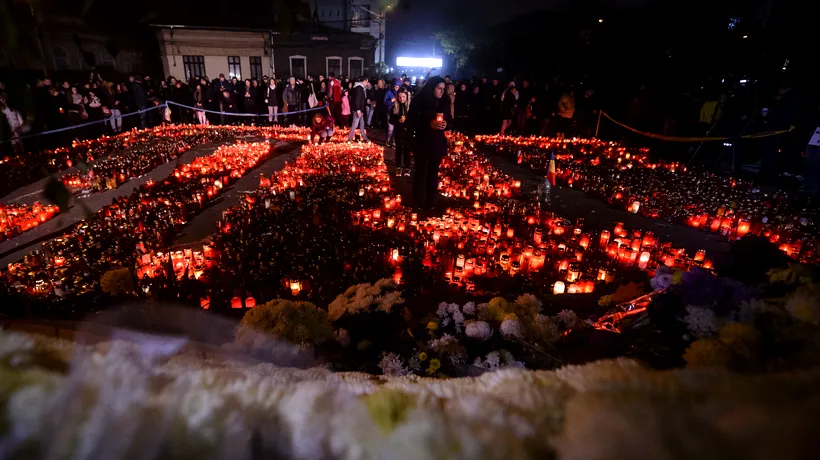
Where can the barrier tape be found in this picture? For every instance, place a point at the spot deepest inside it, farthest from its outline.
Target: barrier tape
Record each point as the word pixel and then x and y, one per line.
pixel 692 139
pixel 83 125
pixel 166 104
pixel 200 109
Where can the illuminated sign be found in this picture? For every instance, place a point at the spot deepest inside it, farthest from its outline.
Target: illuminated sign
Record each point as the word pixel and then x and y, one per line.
pixel 403 61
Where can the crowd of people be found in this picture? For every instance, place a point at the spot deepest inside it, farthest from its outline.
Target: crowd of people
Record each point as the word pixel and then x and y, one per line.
pixel 552 107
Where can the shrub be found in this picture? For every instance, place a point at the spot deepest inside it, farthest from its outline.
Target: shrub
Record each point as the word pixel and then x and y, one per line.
pixel 117 282
pixel 299 323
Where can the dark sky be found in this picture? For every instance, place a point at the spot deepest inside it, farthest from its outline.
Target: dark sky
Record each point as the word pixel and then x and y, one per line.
pixel 412 23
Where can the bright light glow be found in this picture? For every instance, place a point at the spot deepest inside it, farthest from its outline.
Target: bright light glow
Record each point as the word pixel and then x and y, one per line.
pixel 403 61
pixel 745 36
pixel 600 21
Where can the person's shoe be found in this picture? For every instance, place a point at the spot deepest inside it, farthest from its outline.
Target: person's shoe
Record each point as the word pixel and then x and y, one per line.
pixel 406 172
pixel 399 172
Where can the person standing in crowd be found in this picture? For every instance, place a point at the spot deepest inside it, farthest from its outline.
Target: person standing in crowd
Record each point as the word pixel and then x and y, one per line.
pixel 228 103
pixel 272 101
pixel 389 100
pixel 15 122
pixel 321 128
pixel 523 109
pixel 370 96
pixel 398 118
pixel 509 101
pixel 321 95
pixel 345 108
pixel 335 97
pixel 378 104
pixel 249 95
pixel 184 97
pixel 291 98
pixel 140 99
pixel 358 105
pixel 564 116
pixel 428 121
pixel 113 106
pixel 199 103
pixel 304 97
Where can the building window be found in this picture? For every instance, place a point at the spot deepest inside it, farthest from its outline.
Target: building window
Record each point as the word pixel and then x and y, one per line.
pixel 333 64
pixel 298 66
pixel 106 60
pixel 359 16
pixel 61 59
pixel 194 66
pixel 355 67
pixel 256 67
pixel 234 69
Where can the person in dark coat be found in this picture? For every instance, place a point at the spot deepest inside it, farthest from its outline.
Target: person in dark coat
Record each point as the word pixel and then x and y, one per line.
pixel 358 103
pixel 140 99
pixel 271 98
pixel 228 102
pixel 398 118
pixel 428 121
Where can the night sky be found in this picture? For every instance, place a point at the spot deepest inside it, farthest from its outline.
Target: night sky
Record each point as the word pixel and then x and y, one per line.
pixel 413 22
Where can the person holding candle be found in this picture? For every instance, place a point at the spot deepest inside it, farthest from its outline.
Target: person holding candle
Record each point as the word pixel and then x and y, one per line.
pixel 398 119
pixel 389 101
pixel 321 129
pixel 428 122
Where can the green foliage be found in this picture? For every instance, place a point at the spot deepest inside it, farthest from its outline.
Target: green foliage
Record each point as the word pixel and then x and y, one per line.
pixel 458 43
pixel 117 282
pixel 300 323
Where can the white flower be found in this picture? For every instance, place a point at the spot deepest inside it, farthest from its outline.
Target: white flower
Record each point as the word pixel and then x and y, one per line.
pixel 701 321
pixel 445 343
pixel 511 328
pixel 568 317
pixel 458 318
pixel 443 310
pixel 479 330
pixel 391 364
pixel 468 309
pixel 493 360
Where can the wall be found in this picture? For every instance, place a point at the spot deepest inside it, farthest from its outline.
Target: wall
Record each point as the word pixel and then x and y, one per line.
pixel 215 47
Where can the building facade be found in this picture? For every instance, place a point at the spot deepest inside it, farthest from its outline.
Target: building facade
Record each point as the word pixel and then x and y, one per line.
pixel 188 52
pixel 355 16
pixel 69 46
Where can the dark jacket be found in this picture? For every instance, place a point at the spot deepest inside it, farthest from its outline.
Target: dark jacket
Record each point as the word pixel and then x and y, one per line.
pixel 139 95
pixel 401 131
pixel 228 103
pixel 358 98
pixel 431 143
pixel 292 97
pixel 271 97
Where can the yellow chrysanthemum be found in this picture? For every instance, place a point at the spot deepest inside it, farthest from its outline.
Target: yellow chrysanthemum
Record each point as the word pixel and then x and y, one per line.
pixel 422 356
pixel 707 353
pixel 435 364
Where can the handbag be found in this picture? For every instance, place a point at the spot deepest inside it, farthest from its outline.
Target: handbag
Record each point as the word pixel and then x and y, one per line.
pixel 312 101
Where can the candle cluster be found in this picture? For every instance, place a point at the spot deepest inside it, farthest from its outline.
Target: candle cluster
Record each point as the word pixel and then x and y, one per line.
pixel 131 227
pixel 165 144
pixel 671 191
pixel 502 237
pixel 15 219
